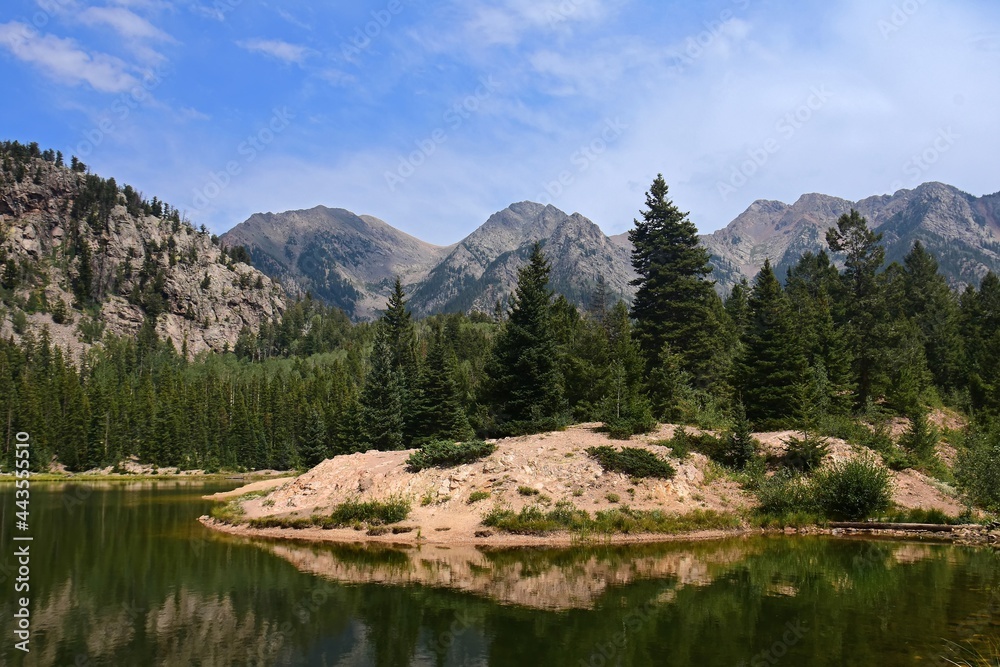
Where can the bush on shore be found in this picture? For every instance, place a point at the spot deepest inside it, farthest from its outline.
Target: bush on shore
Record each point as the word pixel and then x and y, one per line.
pixel 632 461
pixel 444 454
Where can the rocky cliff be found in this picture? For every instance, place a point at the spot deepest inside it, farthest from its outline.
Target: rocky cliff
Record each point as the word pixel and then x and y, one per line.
pixel 81 257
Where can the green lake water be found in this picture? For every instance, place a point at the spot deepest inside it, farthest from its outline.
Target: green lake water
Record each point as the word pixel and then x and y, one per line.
pixel 122 574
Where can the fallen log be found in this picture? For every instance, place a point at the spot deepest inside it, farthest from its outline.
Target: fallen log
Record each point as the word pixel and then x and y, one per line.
pixel 873 525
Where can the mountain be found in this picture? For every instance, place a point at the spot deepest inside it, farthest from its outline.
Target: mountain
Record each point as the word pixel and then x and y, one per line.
pixel 347 260
pixel 80 256
pixel 350 261
pixel 482 268
pixel 961 230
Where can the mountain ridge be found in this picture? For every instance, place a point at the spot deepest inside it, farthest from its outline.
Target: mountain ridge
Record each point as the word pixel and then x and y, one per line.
pixel 480 271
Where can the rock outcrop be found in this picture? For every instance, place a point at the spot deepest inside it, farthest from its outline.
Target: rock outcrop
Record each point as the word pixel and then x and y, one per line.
pixel 82 257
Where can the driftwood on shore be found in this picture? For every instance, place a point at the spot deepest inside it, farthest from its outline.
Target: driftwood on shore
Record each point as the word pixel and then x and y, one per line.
pixel 871 525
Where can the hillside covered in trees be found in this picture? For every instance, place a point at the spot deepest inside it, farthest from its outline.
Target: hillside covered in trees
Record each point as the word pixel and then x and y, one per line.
pixel 821 353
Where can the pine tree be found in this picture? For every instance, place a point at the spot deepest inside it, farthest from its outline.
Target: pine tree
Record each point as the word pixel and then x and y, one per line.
pixel 523 389
pixel 981 329
pixel 674 302
pixel 741 447
pixel 626 409
pixel 771 361
pixel 597 307
pixel 314 447
pixel 382 397
pixel 812 286
pixel 400 334
pixel 928 301
pixel 401 339
pixel 737 306
pixel 865 309
pixel 438 413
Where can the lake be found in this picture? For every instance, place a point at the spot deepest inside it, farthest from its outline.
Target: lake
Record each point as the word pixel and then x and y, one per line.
pixel 122 574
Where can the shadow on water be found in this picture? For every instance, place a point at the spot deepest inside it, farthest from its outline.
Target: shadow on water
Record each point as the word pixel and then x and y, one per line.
pixel 126 576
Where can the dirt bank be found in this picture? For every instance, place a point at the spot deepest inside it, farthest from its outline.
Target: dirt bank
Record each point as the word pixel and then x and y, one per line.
pixel 538 469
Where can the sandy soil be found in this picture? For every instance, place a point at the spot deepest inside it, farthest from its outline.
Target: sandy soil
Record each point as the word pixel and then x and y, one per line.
pixel 553 464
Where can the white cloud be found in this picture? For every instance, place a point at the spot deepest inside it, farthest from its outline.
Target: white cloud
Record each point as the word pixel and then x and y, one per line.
pixel 275 48
pixel 64 60
pixel 123 21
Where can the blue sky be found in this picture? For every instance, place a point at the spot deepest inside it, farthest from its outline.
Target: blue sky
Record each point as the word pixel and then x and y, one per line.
pixel 433 115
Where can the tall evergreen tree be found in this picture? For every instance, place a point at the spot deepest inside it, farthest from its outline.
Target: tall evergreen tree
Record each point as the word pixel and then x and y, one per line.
pixel 523 389
pixel 401 336
pixel 626 409
pixel 438 413
pixel 812 286
pixel 981 328
pixel 675 302
pixel 771 362
pixel 865 308
pixel 383 396
pixel 929 302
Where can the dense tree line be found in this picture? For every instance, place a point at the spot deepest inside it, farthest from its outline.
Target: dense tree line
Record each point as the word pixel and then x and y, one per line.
pixel 776 352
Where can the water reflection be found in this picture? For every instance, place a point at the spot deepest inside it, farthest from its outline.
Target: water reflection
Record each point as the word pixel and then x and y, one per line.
pixel 554 579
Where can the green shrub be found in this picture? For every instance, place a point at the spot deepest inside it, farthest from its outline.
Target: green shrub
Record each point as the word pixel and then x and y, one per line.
pixel 613 497
pixel 392 510
pixel 527 491
pixel 707 444
pixel 978 468
pixel 784 493
pixel 632 461
pixel 533 520
pixel 805 454
pixel 680 449
pixel 444 454
pixel 476 496
pixel 853 490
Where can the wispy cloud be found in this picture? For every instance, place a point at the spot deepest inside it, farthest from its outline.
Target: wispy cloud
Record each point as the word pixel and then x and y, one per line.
pixel 292 19
pixel 125 22
pixel 275 48
pixel 64 60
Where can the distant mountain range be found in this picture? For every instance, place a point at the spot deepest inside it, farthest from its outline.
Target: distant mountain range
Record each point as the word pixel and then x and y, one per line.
pixel 350 261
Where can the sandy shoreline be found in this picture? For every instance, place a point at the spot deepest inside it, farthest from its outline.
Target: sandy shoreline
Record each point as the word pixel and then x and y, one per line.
pixel 972 534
